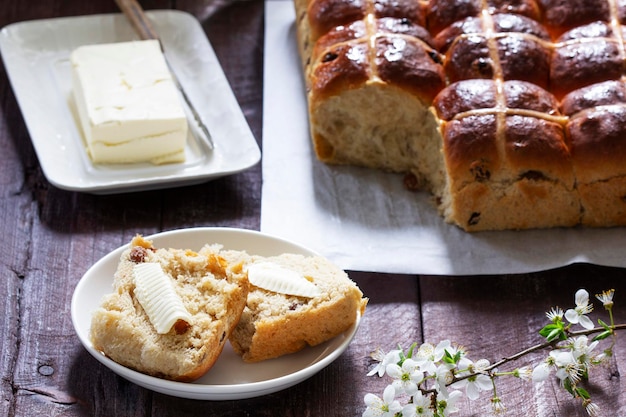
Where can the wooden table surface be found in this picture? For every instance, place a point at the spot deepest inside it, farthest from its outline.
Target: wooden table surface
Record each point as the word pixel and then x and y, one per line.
pixel 50 237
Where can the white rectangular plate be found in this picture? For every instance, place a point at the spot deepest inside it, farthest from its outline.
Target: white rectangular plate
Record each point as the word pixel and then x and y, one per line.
pixel 36 56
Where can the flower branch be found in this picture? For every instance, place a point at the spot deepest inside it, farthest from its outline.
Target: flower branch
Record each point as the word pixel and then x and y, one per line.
pixel 431 379
pixel 542 346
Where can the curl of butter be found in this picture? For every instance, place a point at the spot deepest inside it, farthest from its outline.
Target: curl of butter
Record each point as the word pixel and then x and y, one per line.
pixel 157 296
pixel 275 278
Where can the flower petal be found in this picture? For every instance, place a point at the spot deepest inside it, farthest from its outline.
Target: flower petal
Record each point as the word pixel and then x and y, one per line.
pixel 417 377
pixel 409 410
pixel 389 394
pixel 394 371
pixel 452 400
pixel 394 408
pixel 370 412
pixel 372 400
pixel 585 322
pixel 572 316
pixel 472 391
pixel 541 372
pixel 410 388
pixel 484 382
pixel 582 297
pixel 410 365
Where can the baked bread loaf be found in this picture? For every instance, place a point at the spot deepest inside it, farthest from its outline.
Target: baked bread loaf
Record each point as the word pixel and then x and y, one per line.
pixel 512 113
pixel 213 295
pixel 274 323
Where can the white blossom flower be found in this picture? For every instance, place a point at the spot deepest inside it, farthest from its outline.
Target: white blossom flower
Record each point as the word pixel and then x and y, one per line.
pixel 420 407
pixel 497 406
pixel 581 350
pixel 448 406
pixel 383 359
pixel 567 366
pixel 428 355
pixel 542 371
pixel 407 377
pixel 591 408
pixel 524 373
pixel 606 298
pixel 388 406
pixel 577 315
pixel 475 383
pixel 555 313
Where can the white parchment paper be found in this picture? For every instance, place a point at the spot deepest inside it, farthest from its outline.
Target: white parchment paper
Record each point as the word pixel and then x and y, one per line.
pixel 365 220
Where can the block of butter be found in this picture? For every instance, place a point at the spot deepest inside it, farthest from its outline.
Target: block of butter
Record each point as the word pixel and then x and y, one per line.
pixel 128 105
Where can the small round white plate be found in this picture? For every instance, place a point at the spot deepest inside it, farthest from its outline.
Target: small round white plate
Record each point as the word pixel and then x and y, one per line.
pixel 230 378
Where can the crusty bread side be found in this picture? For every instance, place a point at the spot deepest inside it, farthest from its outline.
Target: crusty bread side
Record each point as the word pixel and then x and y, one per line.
pixel 505 171
pixel 274 324
pixel 213 294
pixel 374 110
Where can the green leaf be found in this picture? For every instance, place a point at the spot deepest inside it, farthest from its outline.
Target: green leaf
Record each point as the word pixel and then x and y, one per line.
pixel 553 331
pixel 567 384
pixel 447 358
pixel 583 393
pixel 402 356
pixel 602 335
pixel 547 330
pixel 409 354
pixel 603 324
pixel 554 334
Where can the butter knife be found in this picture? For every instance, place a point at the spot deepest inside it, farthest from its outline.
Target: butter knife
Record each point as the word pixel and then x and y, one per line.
pixel 140 22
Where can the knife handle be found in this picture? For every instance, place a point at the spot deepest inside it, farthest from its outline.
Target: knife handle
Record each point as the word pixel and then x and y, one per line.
pixel 137 17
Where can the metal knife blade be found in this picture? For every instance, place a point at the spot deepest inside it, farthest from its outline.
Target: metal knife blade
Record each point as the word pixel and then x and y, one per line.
pixel 140 22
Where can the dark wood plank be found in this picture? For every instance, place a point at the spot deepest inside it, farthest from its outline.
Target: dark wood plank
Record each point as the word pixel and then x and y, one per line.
pixel 51 237
pixel 16 212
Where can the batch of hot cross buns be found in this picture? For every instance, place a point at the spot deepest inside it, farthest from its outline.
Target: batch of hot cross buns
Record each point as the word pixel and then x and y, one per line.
pixel 512 113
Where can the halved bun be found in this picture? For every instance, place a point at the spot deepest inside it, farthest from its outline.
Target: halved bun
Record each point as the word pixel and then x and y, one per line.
pixel 275 324
pixel 212 293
